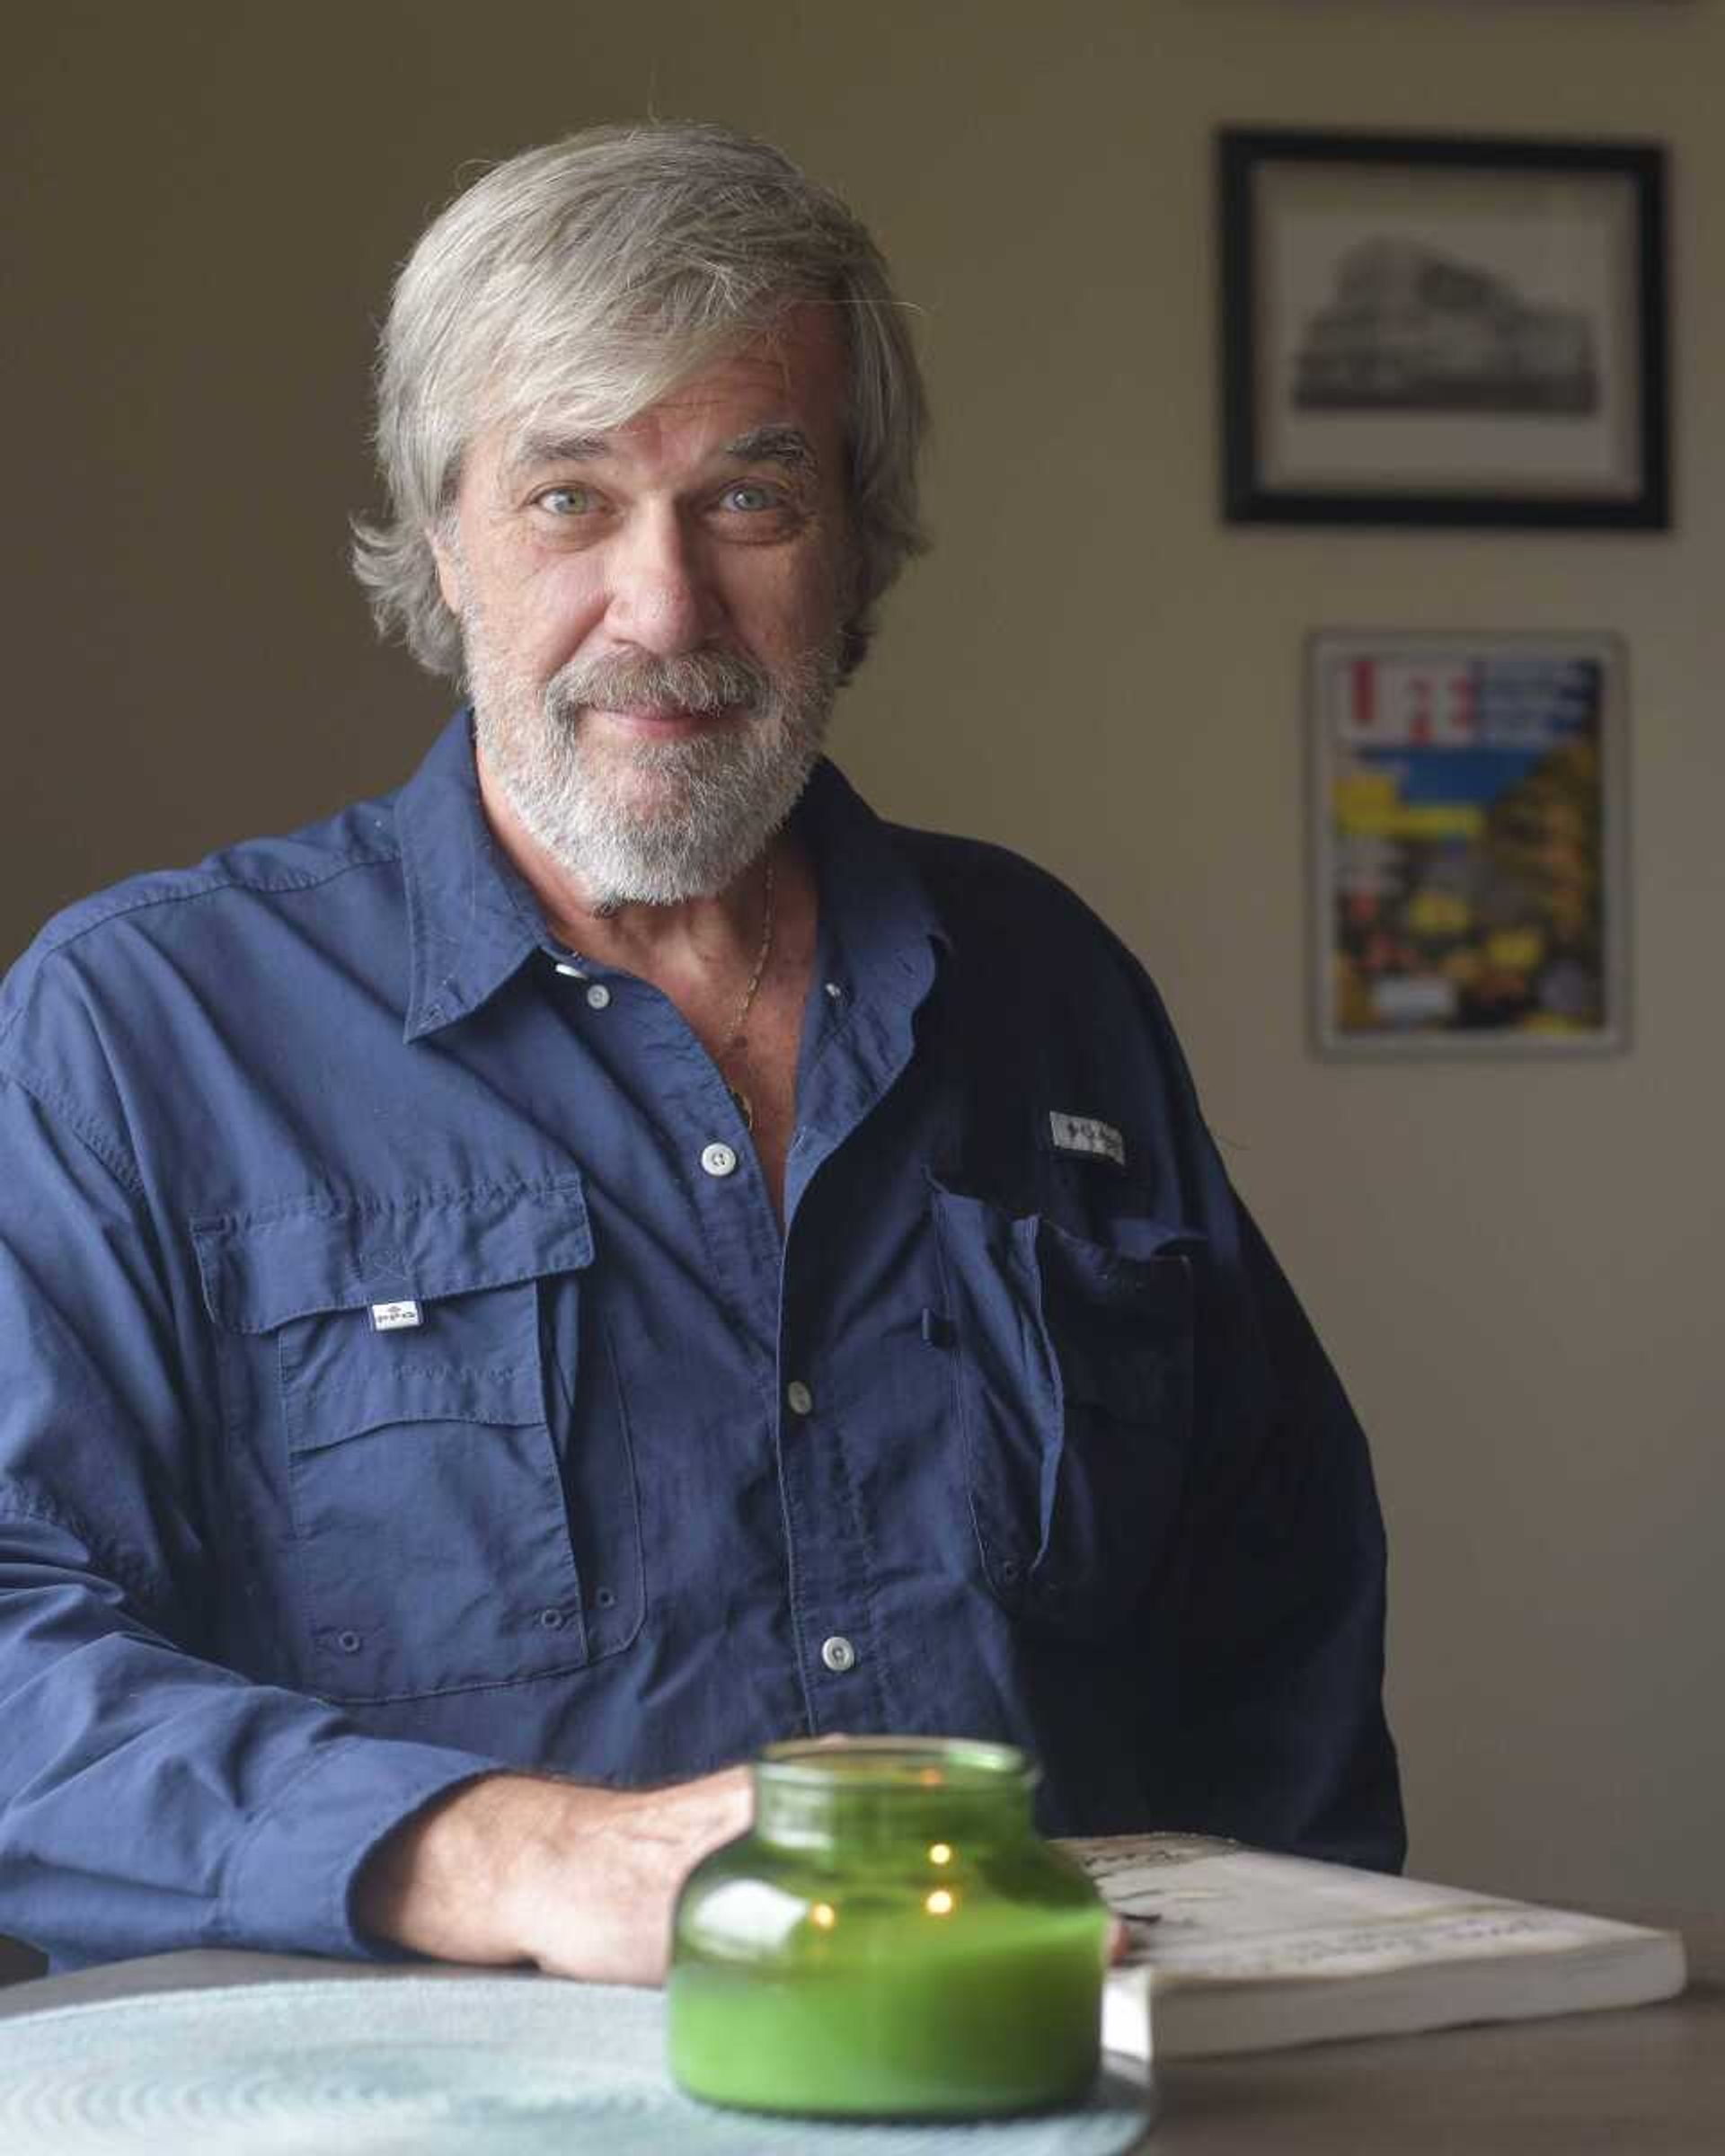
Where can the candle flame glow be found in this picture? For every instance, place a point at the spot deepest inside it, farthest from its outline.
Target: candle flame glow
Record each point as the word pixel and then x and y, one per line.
pixel 823 1915
pixel 941 1903
pixel 940 1852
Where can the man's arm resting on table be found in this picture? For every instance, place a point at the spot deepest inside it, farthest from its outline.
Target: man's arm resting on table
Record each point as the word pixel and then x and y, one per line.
pixel 579 1880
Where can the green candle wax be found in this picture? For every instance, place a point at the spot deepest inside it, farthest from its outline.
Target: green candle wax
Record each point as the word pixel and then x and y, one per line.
pixel 890 1940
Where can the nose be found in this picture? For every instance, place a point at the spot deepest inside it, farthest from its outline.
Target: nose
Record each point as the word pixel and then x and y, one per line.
pixel 662 598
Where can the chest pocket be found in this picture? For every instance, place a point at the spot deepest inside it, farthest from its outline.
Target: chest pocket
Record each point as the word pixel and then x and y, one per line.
pixel 459 1495
pixel 1074 1376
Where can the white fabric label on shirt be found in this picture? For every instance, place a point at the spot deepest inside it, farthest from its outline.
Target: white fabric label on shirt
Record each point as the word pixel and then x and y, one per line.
pixel 391 1317
pixel 1085 1134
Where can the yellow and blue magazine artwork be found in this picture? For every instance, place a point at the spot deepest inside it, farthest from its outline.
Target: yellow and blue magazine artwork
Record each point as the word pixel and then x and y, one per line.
pixel 1467 810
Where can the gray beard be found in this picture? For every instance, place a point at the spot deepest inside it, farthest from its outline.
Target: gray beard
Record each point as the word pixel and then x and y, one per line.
pixel 652 822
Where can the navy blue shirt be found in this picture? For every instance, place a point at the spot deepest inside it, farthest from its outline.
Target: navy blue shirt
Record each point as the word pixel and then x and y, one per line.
pixel 402 1374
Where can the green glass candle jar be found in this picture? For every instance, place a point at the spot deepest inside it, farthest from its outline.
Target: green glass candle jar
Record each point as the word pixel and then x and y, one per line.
pixel 890 1940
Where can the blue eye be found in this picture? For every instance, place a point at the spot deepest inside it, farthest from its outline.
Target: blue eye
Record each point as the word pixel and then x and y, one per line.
pixel 577 501
pixel 749 496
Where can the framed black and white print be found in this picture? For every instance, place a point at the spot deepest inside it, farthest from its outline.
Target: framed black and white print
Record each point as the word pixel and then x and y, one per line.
pixel 1468 821
pixel 1443 329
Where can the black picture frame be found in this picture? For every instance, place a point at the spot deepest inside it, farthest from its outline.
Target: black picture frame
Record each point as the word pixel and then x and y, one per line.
pixel 1425 387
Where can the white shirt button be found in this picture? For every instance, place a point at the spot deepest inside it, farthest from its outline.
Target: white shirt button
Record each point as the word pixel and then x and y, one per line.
pixel 598 996
pixel 838 1654
pixel 719 1160
pixel 799 1399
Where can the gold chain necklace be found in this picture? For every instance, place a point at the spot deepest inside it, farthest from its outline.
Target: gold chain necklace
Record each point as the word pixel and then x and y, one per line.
pixel 745 1106
pixel 576 964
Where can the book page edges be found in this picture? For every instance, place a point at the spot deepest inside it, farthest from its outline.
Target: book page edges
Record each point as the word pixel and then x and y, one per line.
pixel 1172 2015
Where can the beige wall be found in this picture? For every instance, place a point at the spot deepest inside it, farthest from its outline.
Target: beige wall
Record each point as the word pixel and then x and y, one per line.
pixel 1515 1266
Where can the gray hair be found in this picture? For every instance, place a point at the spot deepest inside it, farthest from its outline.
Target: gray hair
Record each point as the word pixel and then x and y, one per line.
pixel 593 276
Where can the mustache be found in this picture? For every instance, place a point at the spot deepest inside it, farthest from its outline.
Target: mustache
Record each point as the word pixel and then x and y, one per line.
pixel 692 681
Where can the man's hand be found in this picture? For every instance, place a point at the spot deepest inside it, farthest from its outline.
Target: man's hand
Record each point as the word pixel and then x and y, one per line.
pixel 580 1881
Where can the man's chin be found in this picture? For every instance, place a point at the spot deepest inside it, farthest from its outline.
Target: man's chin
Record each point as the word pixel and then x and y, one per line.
pixel 646 812
pixel 653 882
pixel 647 848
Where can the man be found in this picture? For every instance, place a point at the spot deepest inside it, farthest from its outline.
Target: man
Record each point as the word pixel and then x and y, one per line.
pixel 522 1293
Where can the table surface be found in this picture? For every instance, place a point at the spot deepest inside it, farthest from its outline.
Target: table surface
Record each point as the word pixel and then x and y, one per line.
pixel 1650 2080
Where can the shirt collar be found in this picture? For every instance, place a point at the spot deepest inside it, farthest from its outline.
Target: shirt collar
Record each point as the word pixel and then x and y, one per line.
pixel 472 920
pixel 876 917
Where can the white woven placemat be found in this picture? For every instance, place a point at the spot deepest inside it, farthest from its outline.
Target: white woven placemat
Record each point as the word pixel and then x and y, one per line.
pixel 415 2067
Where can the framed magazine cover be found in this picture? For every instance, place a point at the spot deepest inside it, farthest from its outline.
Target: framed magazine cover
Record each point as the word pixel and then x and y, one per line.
pixel 1468 839
pixel 1443 329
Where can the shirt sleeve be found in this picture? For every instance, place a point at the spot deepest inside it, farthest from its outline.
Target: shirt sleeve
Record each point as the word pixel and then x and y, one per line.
pixel 1283 1741
pixel 150 1799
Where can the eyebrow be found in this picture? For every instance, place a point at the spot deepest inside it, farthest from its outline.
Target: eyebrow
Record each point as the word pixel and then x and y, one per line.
pixel 555 449
pixel 786 446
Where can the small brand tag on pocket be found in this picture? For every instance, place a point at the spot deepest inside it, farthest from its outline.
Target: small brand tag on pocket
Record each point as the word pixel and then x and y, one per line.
pixel 1085 1135
pixel 392 1317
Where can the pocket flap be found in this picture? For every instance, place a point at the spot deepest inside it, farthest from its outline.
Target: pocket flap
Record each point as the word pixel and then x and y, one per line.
pixel 262 1269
